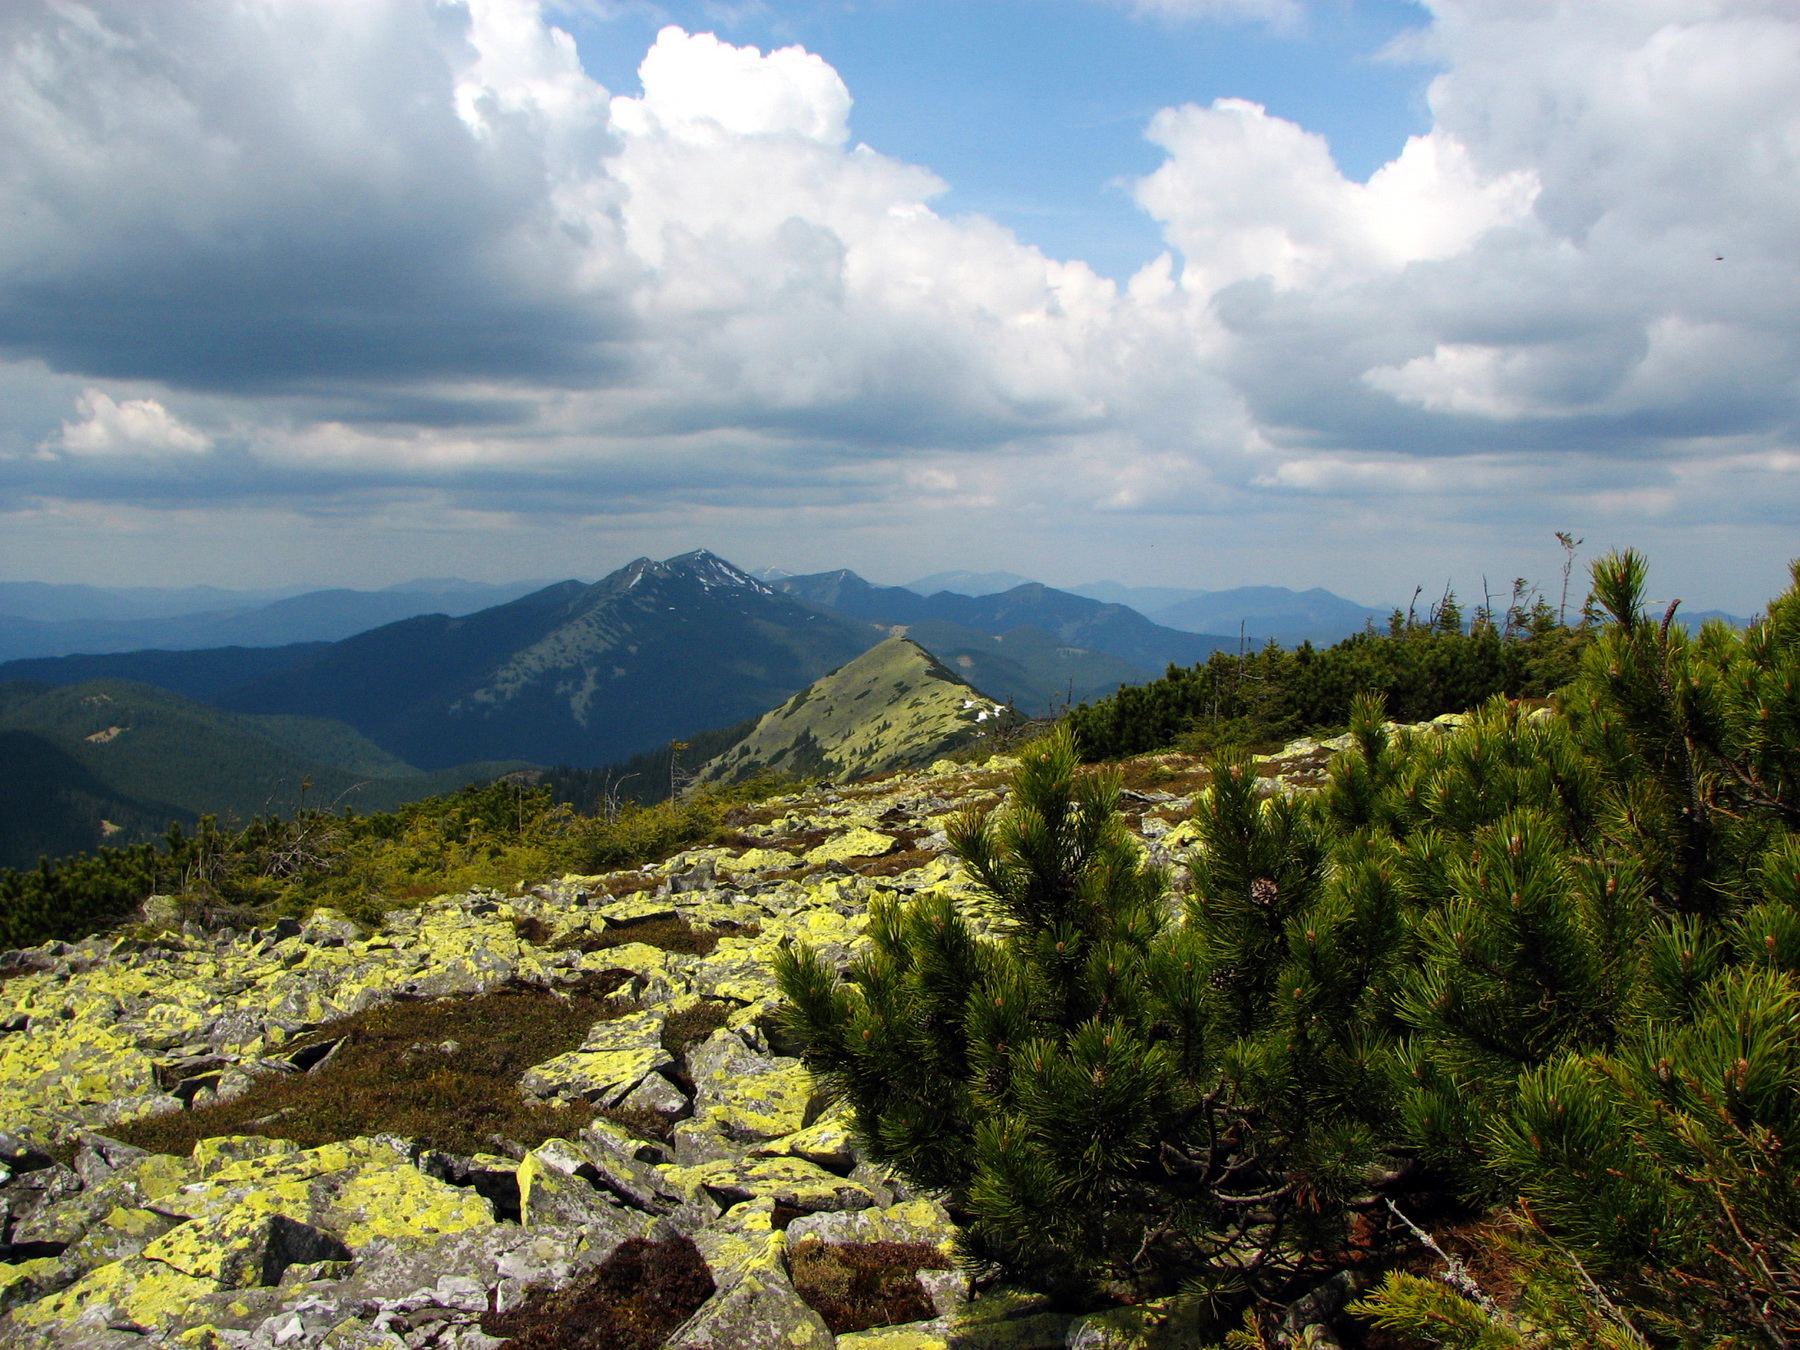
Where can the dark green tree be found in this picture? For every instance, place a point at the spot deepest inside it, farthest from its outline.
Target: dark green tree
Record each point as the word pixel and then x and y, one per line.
pixel 1103 1087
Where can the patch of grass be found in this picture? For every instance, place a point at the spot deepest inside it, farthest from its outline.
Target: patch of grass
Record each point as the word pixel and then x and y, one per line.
pixel 693 1025
pixel 630 883
pixel 671 935
pixel 1177 773
pixel 893 864
pixel 443 1072
pixel 631 1301
pixel 855 1286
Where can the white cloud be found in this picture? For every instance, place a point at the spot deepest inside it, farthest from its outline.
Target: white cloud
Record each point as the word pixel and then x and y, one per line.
pixel 411 244
pixel 136 426
pixel 699 88
pixel 1245 195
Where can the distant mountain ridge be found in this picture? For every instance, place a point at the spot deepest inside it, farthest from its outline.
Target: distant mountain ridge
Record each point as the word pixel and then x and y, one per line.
pixel 312 616
pixel 205 674
pixel 968 583
pixel 585 675
pixel 1072 620
pixel 1275 613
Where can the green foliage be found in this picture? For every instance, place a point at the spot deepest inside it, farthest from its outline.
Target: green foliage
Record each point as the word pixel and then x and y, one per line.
pixel 139 757
pixel 1080 1085
pixel 81 895
pixel 1549 962
pixel 494 834
pixel 1418 669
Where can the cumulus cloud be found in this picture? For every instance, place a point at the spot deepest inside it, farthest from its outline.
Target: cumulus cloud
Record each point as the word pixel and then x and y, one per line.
pixel 1246 195
pixel 411 242
pixel 136 426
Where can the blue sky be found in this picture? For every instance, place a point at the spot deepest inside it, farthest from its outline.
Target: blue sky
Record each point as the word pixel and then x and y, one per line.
pixel 1033 111
pixel 1353 293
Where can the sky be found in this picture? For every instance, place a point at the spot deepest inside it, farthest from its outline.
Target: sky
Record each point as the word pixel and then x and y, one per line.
pixel 1180 292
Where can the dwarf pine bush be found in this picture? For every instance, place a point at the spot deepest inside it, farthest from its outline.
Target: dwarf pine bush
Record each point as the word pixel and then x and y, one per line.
pixel 1547 967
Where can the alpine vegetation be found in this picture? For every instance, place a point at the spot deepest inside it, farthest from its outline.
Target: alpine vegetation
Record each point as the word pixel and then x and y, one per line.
pixel 1539 978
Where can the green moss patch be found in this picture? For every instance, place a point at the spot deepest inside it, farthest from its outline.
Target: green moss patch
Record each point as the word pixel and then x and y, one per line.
pixel 631 1301
pixel 855 1286
pixel 444 1072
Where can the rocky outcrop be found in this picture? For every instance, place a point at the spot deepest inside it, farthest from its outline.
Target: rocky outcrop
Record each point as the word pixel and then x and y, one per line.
pixel 251 1242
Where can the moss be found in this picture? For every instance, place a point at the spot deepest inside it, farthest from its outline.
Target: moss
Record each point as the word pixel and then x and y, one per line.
pixel 423 1070
pixel 631 1301
pixel 855 1286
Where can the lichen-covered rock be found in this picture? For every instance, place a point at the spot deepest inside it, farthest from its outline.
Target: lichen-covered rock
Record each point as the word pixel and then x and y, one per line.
pixel 910 1221
pixel 792 1182
pixel 933 1335
pixel 554 1192
pixel 612 1167
pixel 616 1057
pixel 27 1281
pixel 118 1234
pixel 656 1096
pixel 238 1249
pixel 358 1190
pixel 136 1291
pixel 825 1144
pixel 857 843
pixel 637 909
pixel 759 860
pixel 759 1309
pixel 744 1097
pixel 211 1156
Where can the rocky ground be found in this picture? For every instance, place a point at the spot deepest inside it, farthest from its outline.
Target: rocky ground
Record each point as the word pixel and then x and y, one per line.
pixel 251 1240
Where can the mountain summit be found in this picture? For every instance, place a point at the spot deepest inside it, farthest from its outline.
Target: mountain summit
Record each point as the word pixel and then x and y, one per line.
pixel 894 707
pixel 572 674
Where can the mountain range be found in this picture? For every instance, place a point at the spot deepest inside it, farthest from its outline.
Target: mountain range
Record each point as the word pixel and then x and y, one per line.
pixel 586 675
pixel 41 620
pixel 529 675
pixel 572 673
pixel 1258 613
pixel 1073 620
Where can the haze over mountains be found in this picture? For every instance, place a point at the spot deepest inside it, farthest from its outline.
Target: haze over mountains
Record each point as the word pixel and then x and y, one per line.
pixel 42 620
pixel 573 673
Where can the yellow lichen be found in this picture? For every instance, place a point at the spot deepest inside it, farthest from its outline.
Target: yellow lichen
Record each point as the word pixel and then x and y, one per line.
pixel 135 1290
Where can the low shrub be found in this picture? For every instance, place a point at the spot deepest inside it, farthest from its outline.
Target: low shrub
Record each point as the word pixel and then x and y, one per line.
pixel 631 1301
pixel 495 834
pixel 440 1072
pixel 856 1286
pixel 690 1026
pixel 1259 699
pixel 675 934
